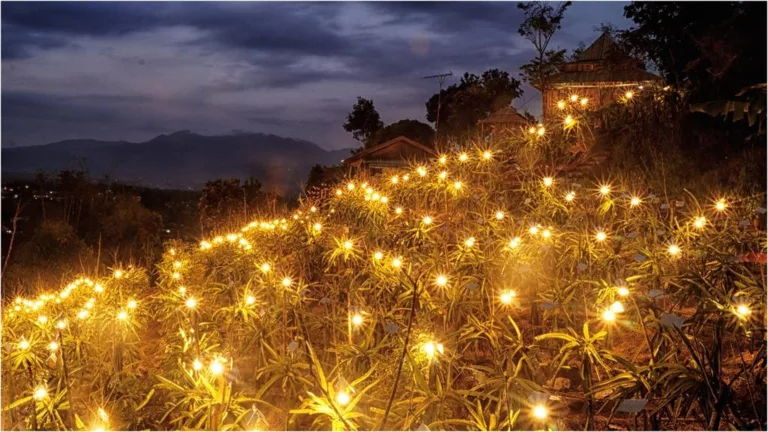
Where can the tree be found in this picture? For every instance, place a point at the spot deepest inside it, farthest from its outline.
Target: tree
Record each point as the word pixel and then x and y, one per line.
pixel 364 121
pixel 710 50
pixel 413 129
pixel 471 100
pixel 541 22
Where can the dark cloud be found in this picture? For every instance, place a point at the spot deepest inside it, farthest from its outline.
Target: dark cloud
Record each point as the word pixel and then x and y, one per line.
pixel 122 70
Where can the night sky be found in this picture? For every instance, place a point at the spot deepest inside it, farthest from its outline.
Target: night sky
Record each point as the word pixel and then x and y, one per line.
pixel 131 71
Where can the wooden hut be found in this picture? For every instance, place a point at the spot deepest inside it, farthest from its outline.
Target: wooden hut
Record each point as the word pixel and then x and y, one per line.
pixel 394 153
pixel 504 120
pixel 601 74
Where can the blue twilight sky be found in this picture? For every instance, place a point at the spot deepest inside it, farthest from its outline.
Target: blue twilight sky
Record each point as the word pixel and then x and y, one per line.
pixel 131 71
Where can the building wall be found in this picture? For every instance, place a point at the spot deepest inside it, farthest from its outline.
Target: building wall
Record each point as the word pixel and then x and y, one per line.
pixel 598 96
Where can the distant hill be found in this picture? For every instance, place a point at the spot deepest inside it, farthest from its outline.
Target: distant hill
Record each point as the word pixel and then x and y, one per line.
pixel 180 160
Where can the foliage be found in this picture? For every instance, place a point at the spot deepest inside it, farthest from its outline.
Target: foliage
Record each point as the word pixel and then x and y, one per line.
pixel 711 51
pixel 474 98
pixel 363 121
pixel 488 289
pixel 420 132
pixel 224 199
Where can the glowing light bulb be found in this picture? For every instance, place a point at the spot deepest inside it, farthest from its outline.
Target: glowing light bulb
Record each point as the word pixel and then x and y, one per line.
pixel 487 155
pixel 250 300
pixel 584 101
pixel 191 303
pixel 348 245
pixel 531 130
pixel 42 319
pixel 364 185
pixel 609 316
pixel 98 288
pixel 617 307
pixel 83 314
pixel 287 282
pixel 132 304
pixel 443 160
pixel 541 131
pixel 312 209
pixel 514 243
pixel 342 398
pixel 441 281
pixel 560 105
pixel 427 220
pixel 406 177
pixel 533 230
pixel 699 222
pixel 429 349
pixel 378 255
pixel 499 215
pixel 548 181
pixel 673 250
pixel 266 267
pixel 217 368
pixel 421 171
pixel 635 201
pixel 605 190
pixel 182 290
pixel 546 234
pixel 384 199
pixel 61 325
pixel 176 275
pixel 339 192
pixel 24 344
pixel 629 95
pixel 721 205
pixel 507 297
pixel 463 157
pixel 357 320
pixel 568 120
pixel 623 291
pixel 743 311
pixel 457 185
pixel 394 179
pixel 443 175
pixel 40 393
pixel 601 236
pixel 53 346
pixel 177 264
pixel 469 242
pixel 574 98
pixel 540 412
pixel 398 210
pixel 570 196
pixel 197 365
pixel 397 262
pixel 118 274
pixel 122 315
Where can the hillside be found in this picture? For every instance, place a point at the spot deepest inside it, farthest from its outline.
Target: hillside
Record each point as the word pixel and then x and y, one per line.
pixel 181 160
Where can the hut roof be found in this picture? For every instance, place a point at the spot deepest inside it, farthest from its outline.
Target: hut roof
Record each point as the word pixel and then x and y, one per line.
pixel 384 145
pixel 505 115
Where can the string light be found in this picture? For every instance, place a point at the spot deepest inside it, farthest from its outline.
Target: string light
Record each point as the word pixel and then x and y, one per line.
pixel 514 243
pixel 507 297
pixel 541 131
pixel 123 315
pixel 609 316
pixel 469 242
pixel 217 368
pixel 560 105
pixel 570 196
pixel 427 220
pixel 317 227
pixel 605 190
pixel 250 300
pixel 24 344
pixel 378 255
pixel 699 222
pixel 584 101
pixel 531 130
pixel 350 186
pixel 568 121
pixel 53 346
pixel 421 171
pixel 398 210
pixel 721 205
pixel 463 157
pixel 397 262
pixel 443 160
pixel 191 303
pixel 601 236
pixel 132 304
pixel 499 215
pixel 743 311
pixel 197 365
pixel 533 230
pixel 348 245
pixel 342 398
pixel 457 185
pixel 540 412
pixel 287 282
pixel 548 181
pixel 623 291
pixel 673 250
pixel 546 234
pixel 357 320
pixel 394 179
pixel 40 393
pixel 431 348
pixel 443 175
pixel 118 274
pixel 441 280
pixel 635 201
pixel 487 155
pixel 617 307
pixel 629 95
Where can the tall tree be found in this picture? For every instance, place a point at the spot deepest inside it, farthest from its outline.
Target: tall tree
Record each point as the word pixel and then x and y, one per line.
pixel 542 21
pixel 471 100
pixel 712 50
pixel 364 121
pixel 413 129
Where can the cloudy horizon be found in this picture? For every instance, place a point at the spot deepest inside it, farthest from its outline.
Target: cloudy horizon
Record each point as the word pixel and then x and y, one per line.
pixel 132 71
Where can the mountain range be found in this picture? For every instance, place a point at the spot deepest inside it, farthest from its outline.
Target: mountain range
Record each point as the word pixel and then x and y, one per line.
pixel 180 160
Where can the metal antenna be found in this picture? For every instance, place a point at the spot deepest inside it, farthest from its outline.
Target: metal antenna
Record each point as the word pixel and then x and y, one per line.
pixel 440 80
